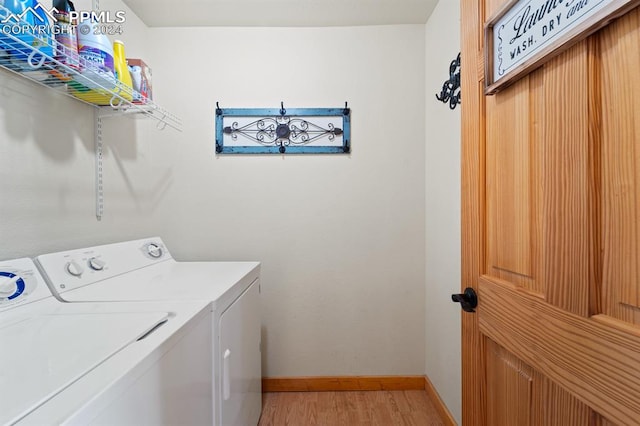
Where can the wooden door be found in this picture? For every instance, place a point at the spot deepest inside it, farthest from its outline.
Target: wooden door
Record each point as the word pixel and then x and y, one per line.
pixel 551 233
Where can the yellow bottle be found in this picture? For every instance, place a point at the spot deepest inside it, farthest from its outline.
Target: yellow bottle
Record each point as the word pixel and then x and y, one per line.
pixel 125 85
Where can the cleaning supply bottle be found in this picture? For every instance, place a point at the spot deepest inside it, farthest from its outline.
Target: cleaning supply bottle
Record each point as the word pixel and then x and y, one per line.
pixel 125 85
pixel 136 79
pixel 26 37
pixel 7 9
pixel 66 52
pixel 95 51
pixel 96 79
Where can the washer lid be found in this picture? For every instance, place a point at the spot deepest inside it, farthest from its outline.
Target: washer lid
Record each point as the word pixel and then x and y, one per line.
pixel 43 354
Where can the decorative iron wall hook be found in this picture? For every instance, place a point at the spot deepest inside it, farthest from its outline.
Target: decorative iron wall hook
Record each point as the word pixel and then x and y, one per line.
pixel 451 88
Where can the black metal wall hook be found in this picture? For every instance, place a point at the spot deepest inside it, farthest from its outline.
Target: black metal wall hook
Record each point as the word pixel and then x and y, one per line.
pixel 218 109
pixel 451 88
pixel 282 110
pixel 346 110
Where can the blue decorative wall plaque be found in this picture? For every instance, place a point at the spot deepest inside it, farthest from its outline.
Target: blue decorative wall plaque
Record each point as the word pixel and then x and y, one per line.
pixel 282 131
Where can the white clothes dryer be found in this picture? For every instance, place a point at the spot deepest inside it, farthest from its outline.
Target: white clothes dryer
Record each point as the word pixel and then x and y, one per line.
pixel 144 270
pixel 99 363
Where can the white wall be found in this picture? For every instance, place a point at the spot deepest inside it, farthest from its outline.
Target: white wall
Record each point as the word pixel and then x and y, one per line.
pixel 47 168
pixel 340 237
pixel 443 210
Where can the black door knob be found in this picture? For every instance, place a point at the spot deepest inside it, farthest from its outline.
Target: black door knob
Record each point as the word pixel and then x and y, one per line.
pixel 468 300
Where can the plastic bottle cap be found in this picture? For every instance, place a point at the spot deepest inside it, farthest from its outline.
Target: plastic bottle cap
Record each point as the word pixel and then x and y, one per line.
pixel 119 42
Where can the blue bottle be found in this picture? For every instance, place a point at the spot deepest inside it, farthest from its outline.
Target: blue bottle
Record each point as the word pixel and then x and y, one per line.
pixel 26 34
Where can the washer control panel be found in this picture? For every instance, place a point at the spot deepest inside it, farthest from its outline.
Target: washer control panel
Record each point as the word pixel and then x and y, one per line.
pixel 20 282
pixel 68 270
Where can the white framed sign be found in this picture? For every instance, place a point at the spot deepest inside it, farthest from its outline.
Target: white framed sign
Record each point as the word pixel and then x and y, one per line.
pixel 526 33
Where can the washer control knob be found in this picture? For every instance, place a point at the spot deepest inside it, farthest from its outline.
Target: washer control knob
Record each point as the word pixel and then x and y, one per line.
pixel 8 285
pixel 74 268
pixel 97 264
pixel 154 250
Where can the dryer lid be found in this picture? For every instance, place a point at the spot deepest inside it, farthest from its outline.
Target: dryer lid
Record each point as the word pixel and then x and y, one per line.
pixel 40 355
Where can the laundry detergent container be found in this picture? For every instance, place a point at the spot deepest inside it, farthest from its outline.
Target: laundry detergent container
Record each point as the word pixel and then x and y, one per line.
pixel 96 82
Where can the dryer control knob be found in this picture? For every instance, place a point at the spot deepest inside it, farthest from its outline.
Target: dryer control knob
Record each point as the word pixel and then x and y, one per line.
pixel 74 268
pixel 8 284
pixel 154 250
pixel 96 264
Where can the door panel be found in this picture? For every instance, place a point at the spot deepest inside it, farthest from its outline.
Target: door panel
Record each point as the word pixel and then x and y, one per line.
pixel 562 169
pixel 533 398
pixel 551 233
pixel 508 379
pixel 621 166
pixel 560 408
pixel 601 421
pixel 594 359
pixel 508 186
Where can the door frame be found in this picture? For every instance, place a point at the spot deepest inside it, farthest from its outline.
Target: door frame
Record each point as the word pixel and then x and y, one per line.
pixel 472 208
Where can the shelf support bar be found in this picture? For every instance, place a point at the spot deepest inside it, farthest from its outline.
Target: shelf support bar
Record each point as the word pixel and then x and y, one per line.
pixel 97 139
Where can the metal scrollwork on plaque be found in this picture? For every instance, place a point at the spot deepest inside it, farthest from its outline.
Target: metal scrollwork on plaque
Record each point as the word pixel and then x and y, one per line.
pixel 281 131
pixel 451 88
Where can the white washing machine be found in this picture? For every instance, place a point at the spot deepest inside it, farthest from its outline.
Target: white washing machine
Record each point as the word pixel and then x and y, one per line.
pixel 144 270
pixel 99 363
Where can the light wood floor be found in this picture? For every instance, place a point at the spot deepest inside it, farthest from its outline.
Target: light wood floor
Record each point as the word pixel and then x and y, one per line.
pixel 382 408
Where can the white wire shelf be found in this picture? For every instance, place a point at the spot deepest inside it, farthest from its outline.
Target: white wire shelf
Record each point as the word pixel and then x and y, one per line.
pixel 46 64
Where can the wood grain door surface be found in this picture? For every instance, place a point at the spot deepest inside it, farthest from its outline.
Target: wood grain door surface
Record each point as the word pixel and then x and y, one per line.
pixel 551 233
